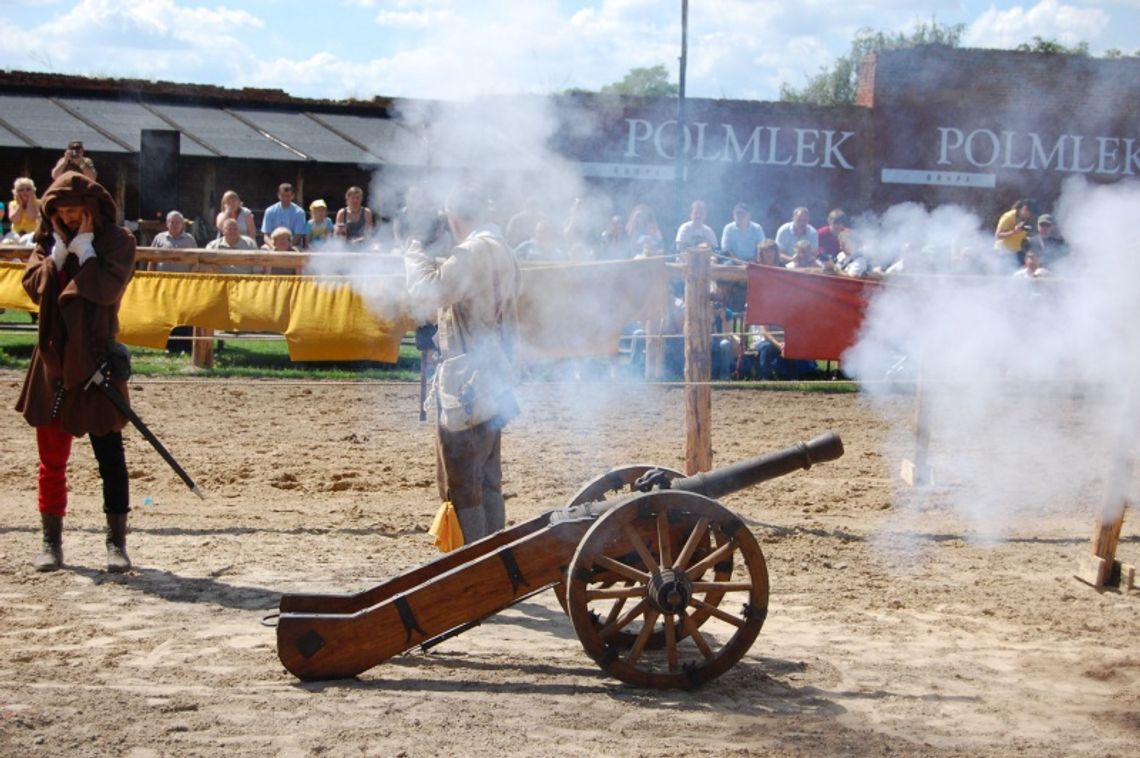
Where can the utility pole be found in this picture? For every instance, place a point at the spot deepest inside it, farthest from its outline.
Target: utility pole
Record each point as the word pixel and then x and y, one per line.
pixel 679 199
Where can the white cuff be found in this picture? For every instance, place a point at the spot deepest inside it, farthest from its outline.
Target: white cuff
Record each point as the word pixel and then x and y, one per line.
pixel 59 252
pixel 81 246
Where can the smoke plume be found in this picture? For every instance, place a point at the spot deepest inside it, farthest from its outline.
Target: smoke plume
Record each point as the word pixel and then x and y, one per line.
pixel 1028 387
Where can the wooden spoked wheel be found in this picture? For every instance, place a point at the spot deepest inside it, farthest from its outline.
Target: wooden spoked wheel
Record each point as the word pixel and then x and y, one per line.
pixel 707 605
pixel 617 481
pixel 614 483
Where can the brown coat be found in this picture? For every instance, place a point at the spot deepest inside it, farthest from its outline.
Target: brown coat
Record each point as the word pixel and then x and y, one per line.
pixel 78 321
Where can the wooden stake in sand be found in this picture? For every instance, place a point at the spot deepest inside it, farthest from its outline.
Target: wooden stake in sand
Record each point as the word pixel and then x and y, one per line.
pixel 1100 568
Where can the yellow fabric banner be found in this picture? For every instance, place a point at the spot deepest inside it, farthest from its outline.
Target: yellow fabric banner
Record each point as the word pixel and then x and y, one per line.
pixel 12 293
pixel 566 310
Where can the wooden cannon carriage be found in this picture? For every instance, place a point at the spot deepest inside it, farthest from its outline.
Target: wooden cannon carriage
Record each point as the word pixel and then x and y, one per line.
pixel 665 587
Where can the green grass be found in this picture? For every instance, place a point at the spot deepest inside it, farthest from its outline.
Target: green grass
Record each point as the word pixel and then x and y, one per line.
pixel 269 359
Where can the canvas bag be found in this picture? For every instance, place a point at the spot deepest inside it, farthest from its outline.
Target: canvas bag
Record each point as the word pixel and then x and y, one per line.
pixel 475 386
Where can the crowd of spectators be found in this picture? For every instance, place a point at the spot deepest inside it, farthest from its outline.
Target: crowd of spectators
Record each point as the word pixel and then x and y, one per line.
pixel 1025 242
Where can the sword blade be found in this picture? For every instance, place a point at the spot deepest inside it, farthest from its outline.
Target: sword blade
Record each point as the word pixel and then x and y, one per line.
pixel 120 402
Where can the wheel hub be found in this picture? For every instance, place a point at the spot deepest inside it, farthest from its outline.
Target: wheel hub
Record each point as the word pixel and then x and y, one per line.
pixel 669 591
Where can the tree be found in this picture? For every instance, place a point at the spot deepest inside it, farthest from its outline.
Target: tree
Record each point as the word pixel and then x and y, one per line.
pixel 836 85
pixel 644 82
pixel 1053 47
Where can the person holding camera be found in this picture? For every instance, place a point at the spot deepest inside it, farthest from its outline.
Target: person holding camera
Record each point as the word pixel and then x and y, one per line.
pixel 76 275
pixel 74 159
pixel 1013 229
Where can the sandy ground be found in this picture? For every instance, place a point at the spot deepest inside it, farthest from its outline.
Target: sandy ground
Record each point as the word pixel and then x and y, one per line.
pixel 891 630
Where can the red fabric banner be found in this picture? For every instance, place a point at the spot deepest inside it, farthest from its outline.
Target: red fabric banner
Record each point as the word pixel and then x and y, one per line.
pixel 820 313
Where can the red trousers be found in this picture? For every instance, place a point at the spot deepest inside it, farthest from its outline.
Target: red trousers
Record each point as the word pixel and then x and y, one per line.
pixel 55 448
pixel 54 444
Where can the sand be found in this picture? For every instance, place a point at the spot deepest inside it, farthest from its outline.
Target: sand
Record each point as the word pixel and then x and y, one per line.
pixel 891 629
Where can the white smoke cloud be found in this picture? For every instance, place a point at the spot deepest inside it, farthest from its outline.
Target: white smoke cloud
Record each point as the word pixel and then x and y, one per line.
pixel 1027 386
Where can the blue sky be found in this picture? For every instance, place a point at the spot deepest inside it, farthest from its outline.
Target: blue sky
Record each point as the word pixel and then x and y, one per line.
pixel 456 48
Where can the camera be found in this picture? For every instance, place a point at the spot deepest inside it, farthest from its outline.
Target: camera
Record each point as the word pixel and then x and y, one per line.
pixel 1028 228
pixel 74 148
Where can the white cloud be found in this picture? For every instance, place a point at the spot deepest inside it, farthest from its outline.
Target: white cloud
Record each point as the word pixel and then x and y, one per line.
pixel 1049 19
pixel 414 19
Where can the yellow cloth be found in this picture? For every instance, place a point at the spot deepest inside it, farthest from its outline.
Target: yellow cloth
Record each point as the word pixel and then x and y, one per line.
pixel 322 319
pixel 569 310
pixel 445 528
pixel 577 310
pixel 12 293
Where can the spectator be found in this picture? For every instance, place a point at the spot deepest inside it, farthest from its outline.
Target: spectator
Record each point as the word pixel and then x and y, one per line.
pixel 643 223
pixel 614 244
pixel 797 230
pixel 520 227
pixel 578 229
pixel 280 241
pixel 319 228
pixel 174 238
pixel 829 234
pixel 1049 245
pixel 768 253
pixel 24 210
pixel 232 238
pixel 742 236
pixel 285 213
pixel 3 213
pixel 851 260
pixel 356 218
pixel 695 232
pixel 1032 268
pixel 420 221
pixel 546 245
pixel 773 364
pixel 74 159
pixel 648 247
pixel 1014 226
pixel 232 208
pixel 804 257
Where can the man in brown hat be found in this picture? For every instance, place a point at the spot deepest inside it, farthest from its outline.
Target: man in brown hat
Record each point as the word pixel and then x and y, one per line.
pixel 77 275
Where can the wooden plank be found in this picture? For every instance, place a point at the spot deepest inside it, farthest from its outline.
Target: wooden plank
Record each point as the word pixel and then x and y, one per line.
pixel 914 476
pixel 1092 569
pixel 336 646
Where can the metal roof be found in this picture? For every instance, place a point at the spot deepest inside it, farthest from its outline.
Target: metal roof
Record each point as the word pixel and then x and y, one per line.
pixel 43 122
pixel 126 120
pixel 113 125
pixel 388 140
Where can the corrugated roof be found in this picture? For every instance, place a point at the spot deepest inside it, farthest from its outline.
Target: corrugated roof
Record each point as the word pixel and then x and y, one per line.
pixel 386 139
pixel 126 120
pixel 222 131
pixel 231 129
pixel 305 135
pixel 46 124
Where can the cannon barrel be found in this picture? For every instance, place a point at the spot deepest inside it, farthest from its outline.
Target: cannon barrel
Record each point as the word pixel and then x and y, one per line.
pixel 729 479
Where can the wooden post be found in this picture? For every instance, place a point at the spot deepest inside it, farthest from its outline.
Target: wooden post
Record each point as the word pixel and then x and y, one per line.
pixel 916 471
pixel 202 349
pixel 1100 569
pixel 654 349
pixel 698 362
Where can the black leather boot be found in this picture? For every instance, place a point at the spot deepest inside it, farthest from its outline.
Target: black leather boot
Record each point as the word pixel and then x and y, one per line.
pixel 51 557
pixel 117 560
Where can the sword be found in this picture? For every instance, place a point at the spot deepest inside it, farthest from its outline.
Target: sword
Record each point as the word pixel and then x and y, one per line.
pixel 101 380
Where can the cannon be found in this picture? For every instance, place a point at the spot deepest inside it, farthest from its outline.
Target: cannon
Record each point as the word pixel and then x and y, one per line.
pixel 664 586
